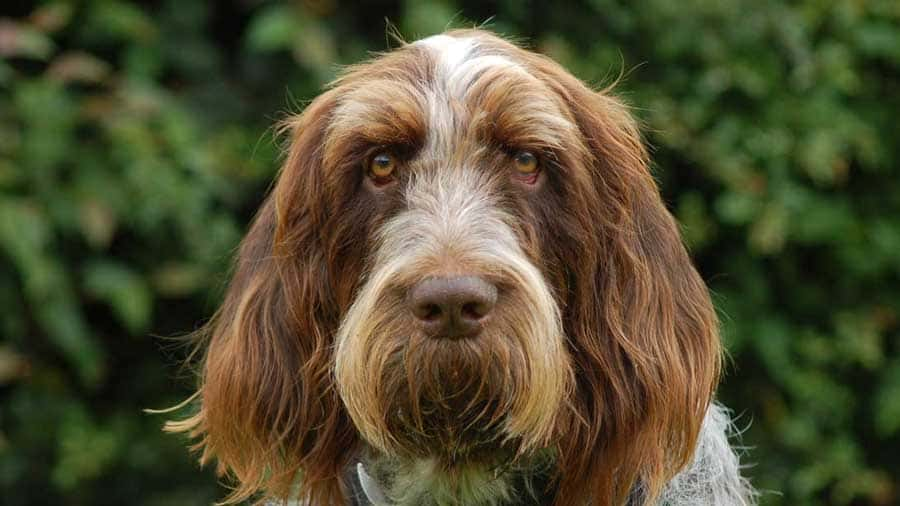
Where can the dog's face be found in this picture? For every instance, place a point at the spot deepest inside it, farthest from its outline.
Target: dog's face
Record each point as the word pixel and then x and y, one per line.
pixel 465 259
pixel 453 342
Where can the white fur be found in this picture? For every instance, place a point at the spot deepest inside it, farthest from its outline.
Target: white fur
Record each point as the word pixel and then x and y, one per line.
pixel 459 63
pixel 714 477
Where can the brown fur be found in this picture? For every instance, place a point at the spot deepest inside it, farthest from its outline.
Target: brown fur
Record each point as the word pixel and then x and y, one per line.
pixel 640 331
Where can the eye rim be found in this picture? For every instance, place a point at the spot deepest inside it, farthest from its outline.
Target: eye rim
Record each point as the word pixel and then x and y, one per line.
pixel 382 174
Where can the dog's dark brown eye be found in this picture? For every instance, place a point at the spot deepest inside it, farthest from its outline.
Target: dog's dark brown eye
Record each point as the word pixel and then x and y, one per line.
pixel 381 167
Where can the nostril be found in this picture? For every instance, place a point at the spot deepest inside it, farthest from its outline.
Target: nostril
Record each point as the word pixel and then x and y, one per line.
pixel 475 310
pixel 430 312
pixel 426 310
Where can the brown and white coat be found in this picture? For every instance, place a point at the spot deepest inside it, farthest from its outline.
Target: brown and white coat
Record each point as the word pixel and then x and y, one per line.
pixel 465 157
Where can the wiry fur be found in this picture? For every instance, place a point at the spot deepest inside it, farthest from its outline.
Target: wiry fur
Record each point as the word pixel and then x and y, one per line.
pixel 602 351
pixel 712 479
pixel 714 476
pixel 425 483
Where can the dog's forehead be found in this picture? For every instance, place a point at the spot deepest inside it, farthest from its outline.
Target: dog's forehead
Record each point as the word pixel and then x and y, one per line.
pixel 447 94
pixel 474 73
pixel 459 60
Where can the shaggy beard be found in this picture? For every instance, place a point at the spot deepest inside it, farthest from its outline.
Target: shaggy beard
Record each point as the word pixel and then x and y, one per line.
pixel 452 399
pixel 481 399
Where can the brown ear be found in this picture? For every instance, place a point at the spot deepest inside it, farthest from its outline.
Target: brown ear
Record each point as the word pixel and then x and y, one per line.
pixel 640 320
pixel 269 411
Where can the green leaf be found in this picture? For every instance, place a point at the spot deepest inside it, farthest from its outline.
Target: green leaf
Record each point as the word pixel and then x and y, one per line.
pixel 52 16
pixel 178 279
pixel 113 19
pixel 77 66
pixel 23 41
pixel 273 28
pixel 25 236
pixel 427 18
pixel 887 401
pixel 737 208
pixel 86 450
pixel 124 290
pixel 769 232
pixel 49 116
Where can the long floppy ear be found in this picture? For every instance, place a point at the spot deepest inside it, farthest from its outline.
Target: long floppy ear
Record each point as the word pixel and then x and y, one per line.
pixel 269 411
pixel 640 320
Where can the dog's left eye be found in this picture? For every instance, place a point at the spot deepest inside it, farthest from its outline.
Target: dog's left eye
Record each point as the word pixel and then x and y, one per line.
pixel 526 162
pixel 381 167
pixel 527 166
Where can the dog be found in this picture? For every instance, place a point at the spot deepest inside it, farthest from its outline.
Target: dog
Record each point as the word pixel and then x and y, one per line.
pixel 465 289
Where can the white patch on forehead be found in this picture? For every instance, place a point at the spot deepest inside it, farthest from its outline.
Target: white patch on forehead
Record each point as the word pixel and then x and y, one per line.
pixel 451 51
pixel 459 63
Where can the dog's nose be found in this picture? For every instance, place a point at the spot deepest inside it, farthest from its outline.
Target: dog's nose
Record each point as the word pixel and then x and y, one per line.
pixel 452 306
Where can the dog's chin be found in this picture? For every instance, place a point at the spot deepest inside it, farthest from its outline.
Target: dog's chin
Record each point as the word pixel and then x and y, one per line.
pixel 449 439
pixel 450 399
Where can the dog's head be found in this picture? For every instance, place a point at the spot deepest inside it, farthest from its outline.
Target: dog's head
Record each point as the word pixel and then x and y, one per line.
pixel 465 258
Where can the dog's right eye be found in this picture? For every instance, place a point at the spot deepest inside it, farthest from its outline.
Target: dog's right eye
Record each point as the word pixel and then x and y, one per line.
pixel 381 166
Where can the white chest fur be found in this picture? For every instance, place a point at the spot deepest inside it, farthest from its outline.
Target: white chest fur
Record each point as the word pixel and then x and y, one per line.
pixel 712 479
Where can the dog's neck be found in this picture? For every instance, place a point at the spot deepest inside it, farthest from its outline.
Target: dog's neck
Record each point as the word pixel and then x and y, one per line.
pixel 712 479
pixel 425 482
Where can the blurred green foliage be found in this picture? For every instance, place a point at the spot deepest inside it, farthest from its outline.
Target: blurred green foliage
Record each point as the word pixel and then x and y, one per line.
pixel 135 146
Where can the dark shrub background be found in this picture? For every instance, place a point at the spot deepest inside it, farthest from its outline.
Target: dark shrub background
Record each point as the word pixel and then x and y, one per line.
pixel 135 145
